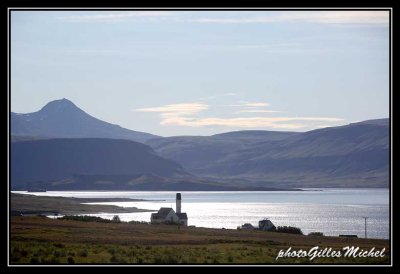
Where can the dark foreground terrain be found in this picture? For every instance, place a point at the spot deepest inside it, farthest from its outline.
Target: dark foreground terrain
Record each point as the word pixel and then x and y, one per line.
pixel 40 240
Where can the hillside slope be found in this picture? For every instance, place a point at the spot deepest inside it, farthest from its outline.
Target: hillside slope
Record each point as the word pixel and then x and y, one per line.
pixel 55 160
pixel 355 155
pixel 63 119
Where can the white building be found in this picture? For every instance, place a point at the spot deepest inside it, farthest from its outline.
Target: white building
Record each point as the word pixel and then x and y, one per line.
pixel 266 225
pixel 168 215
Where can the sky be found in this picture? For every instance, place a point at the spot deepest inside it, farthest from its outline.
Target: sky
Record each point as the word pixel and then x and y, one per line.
pixel 170 72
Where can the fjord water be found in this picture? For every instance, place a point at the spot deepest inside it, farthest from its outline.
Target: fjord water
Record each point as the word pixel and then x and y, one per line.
pixel 331 211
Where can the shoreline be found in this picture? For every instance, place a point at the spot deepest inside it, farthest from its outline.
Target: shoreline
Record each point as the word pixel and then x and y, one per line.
pixel 31 204
pixel 54 206
pixel 247 189
pixel 222 188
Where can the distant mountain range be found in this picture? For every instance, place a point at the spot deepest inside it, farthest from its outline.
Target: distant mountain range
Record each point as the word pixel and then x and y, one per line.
pixel 62 147
pixel 63 119
pixel 99 164
pixel 355 155
pixel 198 152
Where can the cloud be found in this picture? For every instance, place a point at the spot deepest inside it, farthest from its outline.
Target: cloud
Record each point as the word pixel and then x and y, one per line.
pixel 176 110
pixel 185 114
pixel 251 122
pixel 258 111
pixel 289 16
pixel 254 107
pixel 250 104
pixel 324 17
pixel 274 47
pixel 114 16
pixel 271 46
pixel 230 94
pixel 256 104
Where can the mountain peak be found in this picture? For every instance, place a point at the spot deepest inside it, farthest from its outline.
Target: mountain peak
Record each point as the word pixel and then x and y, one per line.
pixel 60 105
pixel 63 119
pixel 64 100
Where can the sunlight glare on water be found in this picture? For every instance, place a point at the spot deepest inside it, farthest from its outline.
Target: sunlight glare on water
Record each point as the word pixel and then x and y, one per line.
pixel 331 211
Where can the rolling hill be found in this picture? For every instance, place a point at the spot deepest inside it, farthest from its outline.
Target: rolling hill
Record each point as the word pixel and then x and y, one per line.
pixel 100 164
pixel 53 162
pixel 196 152
pixel 355 155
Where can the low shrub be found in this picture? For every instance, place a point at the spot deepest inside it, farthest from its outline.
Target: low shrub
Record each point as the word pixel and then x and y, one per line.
pixel 113 259
pixel 315 234
pixel 86 218
pixel 289 229
pixel 138 222
pixel 51 260
pixel 83 253
pixel 34 260
pixel 70 260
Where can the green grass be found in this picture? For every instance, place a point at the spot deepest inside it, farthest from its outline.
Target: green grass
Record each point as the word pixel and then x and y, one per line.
pixel 44 241
pixel 47 253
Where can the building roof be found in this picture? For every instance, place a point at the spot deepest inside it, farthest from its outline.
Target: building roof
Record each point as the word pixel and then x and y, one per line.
pixel 162 213
pixel 182 216
pixel 265 221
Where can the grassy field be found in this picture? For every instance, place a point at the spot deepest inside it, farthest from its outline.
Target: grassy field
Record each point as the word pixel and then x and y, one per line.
pixel 40 240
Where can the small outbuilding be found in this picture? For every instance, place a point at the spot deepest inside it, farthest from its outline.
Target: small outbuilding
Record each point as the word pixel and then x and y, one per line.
pixel 247 226
pixel 266 225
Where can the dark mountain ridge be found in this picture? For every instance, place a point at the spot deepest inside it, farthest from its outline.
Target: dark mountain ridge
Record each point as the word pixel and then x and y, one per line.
pixel 100 164
pixel 58 159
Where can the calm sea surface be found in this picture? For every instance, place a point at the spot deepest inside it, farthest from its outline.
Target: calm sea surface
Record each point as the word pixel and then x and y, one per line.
pixel 331 211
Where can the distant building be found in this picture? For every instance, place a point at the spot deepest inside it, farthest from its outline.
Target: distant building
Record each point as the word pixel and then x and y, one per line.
pixel 247 226
pixel 168 215
pixel 266 225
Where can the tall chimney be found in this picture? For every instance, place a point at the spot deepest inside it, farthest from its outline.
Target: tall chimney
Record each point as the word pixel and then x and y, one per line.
pixel 178 203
